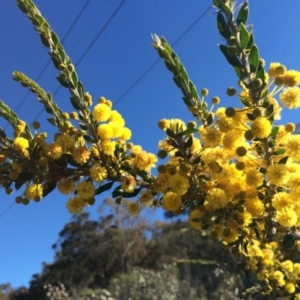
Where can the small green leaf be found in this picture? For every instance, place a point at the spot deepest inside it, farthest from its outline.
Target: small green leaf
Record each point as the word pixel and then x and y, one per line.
pixel 187 102
pixel 187 132
pixel 188 143
pixel 288 241
pixel 245 102
pixel 233 60
pixel 74 79
pixel 53 121
pixel 250 41
pixel 279 151
pixel 260 73
pixel 197 160
pixel 54 38
pixel 243 13
pixel 74 103
pixel 55 61
pixel 69 158
pixel 88 139
pixel 217 3
pixel 253 58
pixel 209 119
pixel 283 160
pixel 18 184
pixel 223 26
pixel 44 41
pixel 63 82
pixel 104 187
pixel 250 117
pixel 269 110
pixel 170 133
pixel 244 36
pixel 274 131
pixel 50 187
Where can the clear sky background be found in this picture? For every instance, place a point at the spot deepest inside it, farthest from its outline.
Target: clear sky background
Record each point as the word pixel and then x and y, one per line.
pixel 110 67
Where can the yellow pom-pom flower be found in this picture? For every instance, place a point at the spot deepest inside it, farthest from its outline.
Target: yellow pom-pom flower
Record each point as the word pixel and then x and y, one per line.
pixel 101 112
pixel 105 132
pixel 261 128
pixel 85 189
pixel 34 192
pixel 290 97
pixel 171 201
pixel 179 184
pixel 98 173
pixel 66 186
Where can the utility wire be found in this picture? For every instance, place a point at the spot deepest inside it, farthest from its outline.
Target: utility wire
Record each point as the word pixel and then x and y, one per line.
pixel 88 48
pixel 48 62
pixel 138 79
pixel 142 76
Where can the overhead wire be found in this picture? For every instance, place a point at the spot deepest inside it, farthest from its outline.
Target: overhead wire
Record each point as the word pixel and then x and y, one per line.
pixel 88 48
pixel 142 76
pixel 48 62
pixel 139 78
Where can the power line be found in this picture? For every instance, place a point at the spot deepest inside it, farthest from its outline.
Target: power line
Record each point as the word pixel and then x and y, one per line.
pixel 142 76
pixel 48 62
pixel 89 47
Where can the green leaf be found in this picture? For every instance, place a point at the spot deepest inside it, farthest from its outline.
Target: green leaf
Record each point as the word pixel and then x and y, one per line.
pixel 170 133
pixel 74 79
pixel 254 58
pixel 209 119
pixel 104 187
pixel 260 73
pixel 269 110
pixel 18 184
pixel 223 26
pixel 63 82
pixel 187 102
pixel 217 3
pixel 55 38
pixel 88 139
pixel 250 42
pixel 283 160
pixel 288 241
pixel 244 36
pixel 233 60
pixel 246 102
pixel 55 60
pixel 279 151
pixel 74 103
pixel 188 143
pixel 53 121
pixel 80 89
pixel 197 160
pixel 51 186
pixel 44 41
pixel 250 117
pixel 187 132
pixel 69 158
pixel 243 13
pixel 274 131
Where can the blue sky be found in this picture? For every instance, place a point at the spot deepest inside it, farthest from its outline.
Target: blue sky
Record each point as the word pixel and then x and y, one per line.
pixel 120 55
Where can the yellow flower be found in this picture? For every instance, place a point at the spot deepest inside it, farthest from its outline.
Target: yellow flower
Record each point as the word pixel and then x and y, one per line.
pixel 53 150
pixel 287 266
pixel 101 112
pixel 179 184
pixel 254 177
pixel 195 219
pixel 66 186
pixel 126 134
pixel 21 144
pixel 286 217
pixel 171 201
pixel 281 200
pixel 276 69
pixel 133 208
pixel 146 198
pixel 291 78
pixel 81 154
pixel 293 147
pixel 144 161
pixel 115 116
pixel 211 137
pixel 254 206
pixel 98 173
pixel 34 192
pixel 66 142
pixel 261 128
pixel 290 288
pixel 75 205
pixel 215 199
pixel 128 183
pixel 278 174
pixel 105 131
pixel 290 97
pixel 108 147
pixel 85 189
